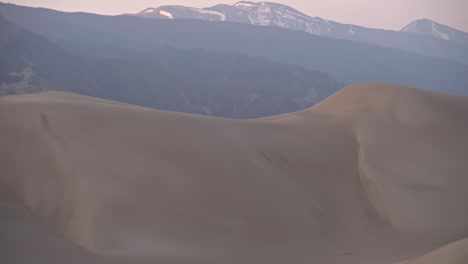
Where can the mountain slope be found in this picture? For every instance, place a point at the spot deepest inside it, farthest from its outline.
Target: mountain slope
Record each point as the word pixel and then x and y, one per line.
pixel 216 84
pixel 197 81
pixel 348 61
pixel 30 63
pixel 273 14
pixel 437 30
pixel 374 174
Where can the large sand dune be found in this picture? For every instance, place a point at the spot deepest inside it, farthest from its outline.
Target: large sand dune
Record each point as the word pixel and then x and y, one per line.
pixel 375 174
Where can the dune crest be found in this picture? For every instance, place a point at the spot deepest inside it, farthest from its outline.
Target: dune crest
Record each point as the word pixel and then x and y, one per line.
pixel 374 174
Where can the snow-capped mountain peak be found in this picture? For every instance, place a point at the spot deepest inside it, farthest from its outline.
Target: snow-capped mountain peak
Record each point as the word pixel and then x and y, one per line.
pixel 256 13
pixel 428 27
pixel 273 14
pixel 431 28
pixel 413 26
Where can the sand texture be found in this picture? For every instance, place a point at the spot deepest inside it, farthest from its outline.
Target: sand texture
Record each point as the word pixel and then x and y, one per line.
pixel 375 174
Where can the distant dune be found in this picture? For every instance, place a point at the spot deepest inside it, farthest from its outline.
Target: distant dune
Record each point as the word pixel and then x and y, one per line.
pixel 375 174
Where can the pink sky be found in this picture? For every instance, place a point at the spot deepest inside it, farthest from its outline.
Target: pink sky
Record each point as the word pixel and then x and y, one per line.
pixel 387 14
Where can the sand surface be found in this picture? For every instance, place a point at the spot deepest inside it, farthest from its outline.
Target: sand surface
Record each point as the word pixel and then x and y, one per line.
pixel 375 174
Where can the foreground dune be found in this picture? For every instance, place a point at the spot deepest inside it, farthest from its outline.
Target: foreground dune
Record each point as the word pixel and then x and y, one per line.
pixel 454 253
pixel 376 173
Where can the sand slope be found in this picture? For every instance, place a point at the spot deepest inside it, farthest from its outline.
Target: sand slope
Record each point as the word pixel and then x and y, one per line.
pixel 454 253
pixel 377 173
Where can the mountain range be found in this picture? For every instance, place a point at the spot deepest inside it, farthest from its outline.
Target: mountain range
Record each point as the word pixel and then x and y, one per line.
pixel 444 42
pixel 347 61
pixel 191 81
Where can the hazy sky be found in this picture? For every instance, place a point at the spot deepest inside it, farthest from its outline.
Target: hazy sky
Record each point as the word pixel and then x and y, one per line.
pixel 388 14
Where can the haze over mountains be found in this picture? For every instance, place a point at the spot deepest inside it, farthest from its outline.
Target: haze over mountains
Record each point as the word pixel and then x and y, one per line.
pixel 195 81
pixel 374 174
pixel 273 14
pixel 347 61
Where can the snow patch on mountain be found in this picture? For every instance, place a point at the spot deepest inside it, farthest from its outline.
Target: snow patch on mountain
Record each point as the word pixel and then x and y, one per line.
pixel 411 28
pixel 244 4
pixel 438 33
pixel 166 14
pixel 210 12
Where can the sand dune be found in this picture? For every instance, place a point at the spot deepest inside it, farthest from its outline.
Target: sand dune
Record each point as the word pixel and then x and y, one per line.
pixel 376 173
pixel 454 253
